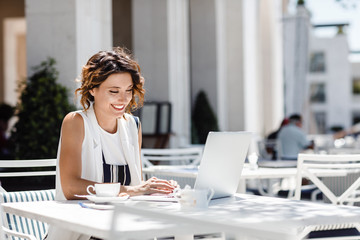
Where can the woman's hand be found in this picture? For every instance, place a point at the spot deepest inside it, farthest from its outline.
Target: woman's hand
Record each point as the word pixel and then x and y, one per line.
pixel 153 185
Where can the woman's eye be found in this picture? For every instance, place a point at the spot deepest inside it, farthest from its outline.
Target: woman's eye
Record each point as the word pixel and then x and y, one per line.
pixel 129 90
pixel 114 92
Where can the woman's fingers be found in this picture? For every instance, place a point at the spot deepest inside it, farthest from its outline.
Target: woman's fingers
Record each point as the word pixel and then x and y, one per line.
pixel 162 185
pixel 156 185
pixel 174 183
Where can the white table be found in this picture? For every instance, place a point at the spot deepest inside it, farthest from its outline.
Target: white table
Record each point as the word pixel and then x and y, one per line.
pixel 242 216
pixel 256 217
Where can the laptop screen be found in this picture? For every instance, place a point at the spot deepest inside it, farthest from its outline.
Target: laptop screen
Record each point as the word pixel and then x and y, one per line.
pixel 222 162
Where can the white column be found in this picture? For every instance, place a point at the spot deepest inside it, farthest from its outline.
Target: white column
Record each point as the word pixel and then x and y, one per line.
pixel 93 28
pixel 270 65
pixel 179 75
pixel 70 31
pixel 263 82
pixel 251 70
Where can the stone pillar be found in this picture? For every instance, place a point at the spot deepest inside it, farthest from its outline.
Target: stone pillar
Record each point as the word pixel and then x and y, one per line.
pixel 270 65
pixel 70 31
pixel 252 98
pixel 179 70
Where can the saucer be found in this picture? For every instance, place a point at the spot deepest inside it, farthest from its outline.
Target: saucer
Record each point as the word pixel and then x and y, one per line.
pixel 97 199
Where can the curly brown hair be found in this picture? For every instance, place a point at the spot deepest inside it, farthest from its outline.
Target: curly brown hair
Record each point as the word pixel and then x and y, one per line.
pixel 104 63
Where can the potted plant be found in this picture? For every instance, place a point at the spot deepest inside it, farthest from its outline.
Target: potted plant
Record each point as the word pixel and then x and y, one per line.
pixel 40 111
pixel 203 119
pixel 41 108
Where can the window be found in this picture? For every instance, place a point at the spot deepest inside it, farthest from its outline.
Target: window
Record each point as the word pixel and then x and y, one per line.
pixel 155 118
pixel 356 86
pixel 317 93
pixel 320 119
pixel 317 62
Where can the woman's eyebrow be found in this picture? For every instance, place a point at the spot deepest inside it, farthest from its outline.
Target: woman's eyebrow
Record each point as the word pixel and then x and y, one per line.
pixel 130 86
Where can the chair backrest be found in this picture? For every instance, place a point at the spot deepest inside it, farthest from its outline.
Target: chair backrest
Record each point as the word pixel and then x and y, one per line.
pixel 27 170
pixel 269 149
pixel 21 224
pixel 171 156
pixel 342 166
pixel 34 167
pixel 2 234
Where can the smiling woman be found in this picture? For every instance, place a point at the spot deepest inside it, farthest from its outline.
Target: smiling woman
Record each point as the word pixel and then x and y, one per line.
pixel 101 144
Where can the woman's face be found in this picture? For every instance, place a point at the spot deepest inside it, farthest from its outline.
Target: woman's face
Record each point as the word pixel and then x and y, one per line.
pixel 113 95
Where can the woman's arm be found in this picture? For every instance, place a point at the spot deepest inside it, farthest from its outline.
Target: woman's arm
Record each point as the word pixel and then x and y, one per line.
pixel 72 136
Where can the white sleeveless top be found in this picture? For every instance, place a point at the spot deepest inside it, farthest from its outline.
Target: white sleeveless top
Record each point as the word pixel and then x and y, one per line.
pixel 91 160
pixel 110 143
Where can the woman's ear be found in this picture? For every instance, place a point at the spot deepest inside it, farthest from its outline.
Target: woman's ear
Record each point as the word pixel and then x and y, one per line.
pixel 91 91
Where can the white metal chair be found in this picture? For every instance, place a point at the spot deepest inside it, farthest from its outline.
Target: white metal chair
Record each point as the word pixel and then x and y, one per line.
pixel 24 228
pixel 341 164
pixel 30 165
pixel 171 156
pixel 7 232
pixel 152 158
pixel 343 167
pixel 27 168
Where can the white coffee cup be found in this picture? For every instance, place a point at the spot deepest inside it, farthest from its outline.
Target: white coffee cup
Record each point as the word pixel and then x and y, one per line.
pixel 195 198
pixel 104 189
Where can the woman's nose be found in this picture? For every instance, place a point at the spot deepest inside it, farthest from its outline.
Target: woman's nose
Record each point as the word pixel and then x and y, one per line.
pixel 122 96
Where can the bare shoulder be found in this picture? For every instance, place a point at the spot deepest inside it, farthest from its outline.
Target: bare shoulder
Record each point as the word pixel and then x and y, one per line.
pixel 73 117
pixel 73 124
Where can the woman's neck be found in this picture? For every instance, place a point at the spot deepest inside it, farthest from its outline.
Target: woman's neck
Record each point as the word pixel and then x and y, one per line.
pixel 109 124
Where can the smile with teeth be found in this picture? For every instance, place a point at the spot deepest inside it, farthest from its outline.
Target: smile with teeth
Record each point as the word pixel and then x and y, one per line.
pixel 119 107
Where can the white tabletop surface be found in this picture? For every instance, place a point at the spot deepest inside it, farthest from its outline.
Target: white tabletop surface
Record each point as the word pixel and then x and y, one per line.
pixel 251 215
pixel 95 222
pixel 256 216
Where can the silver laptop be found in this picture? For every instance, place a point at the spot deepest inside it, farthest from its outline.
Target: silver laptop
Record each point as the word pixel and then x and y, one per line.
pixel 222 162
pixel 221 165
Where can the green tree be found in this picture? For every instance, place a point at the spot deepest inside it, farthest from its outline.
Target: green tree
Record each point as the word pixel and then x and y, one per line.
pixel 42 106
pixel 203 119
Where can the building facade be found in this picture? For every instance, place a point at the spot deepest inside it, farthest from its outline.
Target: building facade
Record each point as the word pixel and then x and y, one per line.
pixel 230 49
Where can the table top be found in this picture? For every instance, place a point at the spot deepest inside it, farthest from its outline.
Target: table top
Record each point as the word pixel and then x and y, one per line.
pixel 94 221
pixel 246 214
pixel 256 216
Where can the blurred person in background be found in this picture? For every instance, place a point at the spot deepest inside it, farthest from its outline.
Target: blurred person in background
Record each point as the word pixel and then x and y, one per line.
pixel 274 134
pixel 292 139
